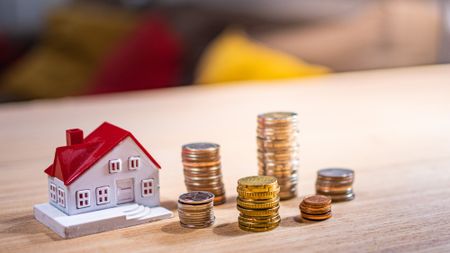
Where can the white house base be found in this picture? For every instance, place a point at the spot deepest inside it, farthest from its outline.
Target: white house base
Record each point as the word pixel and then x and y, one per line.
pixel 70 226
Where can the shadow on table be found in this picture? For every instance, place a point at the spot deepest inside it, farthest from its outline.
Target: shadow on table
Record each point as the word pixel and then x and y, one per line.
pixel 26 224
pixel 175 228
pixel 229 229
pixel 295 221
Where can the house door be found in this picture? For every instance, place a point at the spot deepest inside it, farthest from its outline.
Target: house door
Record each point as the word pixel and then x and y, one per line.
pixel 125 190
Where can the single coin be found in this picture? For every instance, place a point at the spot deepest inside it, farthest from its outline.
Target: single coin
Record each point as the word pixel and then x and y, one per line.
pixel 203 225
pixel 200 164
pixel 317 217
pixel 335 173
pixel 257 224
pixel 197 197
pixel 335 190
pixel 261 219
pixel 334 183
pixel 332 193
pixel 252 229
pixel 343 198
pixel 317 200
pixel 200 146
pixel 259 212
pixel 195 208
pixel 259 195
pixel 309 210
pixel 255 181
pixel 258 204
pixel 277 116
pixel 209 170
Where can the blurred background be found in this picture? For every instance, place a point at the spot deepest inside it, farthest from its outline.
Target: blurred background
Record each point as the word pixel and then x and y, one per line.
pixel 57 48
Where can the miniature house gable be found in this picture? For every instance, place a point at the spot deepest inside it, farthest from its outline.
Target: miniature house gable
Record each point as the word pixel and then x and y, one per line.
pixel 124 186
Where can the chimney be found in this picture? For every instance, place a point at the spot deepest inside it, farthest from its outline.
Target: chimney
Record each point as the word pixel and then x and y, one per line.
pixel 74 136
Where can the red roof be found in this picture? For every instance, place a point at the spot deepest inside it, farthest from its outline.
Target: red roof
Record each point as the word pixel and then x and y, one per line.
pixel 72 161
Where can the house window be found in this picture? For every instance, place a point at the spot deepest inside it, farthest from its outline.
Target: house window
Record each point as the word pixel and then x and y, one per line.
pixel 61 197
pixel 102 194
pixel 83 198
pixel 147 187
pixel 134 162
pixel 115 165
pixel 52 191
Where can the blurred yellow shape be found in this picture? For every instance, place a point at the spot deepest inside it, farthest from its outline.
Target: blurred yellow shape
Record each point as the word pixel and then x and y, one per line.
pixel 234 57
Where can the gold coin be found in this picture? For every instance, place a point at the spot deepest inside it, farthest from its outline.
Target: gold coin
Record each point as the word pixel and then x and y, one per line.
pixel 260 219
pixel 258 204
pixel 253 229
pixel 259 212
pixel 259 195
pixel 258 224
pixel 257 181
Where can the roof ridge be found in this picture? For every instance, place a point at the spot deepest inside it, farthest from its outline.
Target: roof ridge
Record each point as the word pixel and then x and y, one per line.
pixel 84 155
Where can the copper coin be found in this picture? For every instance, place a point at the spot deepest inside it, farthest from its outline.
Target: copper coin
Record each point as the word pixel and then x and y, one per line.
pixel 317 200
pixel 316 217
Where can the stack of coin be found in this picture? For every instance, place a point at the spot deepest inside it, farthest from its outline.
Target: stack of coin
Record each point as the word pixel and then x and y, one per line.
pixel 335 183
pixel 317 207
pixel 195 209
pixel 202 169
pixel 277 140
pixel 258 203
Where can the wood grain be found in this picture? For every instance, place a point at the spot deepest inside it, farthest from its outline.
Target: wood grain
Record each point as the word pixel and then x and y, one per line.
pixel 390 126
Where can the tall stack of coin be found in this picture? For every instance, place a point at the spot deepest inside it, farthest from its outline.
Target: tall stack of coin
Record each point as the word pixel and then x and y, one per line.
pixel 316 207
pixel 277 140
pixel 195 209
pixel 202 169
pixel 336 183
pixel 258 203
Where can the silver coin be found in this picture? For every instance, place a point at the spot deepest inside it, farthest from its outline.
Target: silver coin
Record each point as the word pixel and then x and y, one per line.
pixel 200 146
pixel 196 197
pixel 335 173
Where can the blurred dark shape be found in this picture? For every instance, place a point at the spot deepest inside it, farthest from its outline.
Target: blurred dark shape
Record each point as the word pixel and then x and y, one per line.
pixel 96 46
pixel 271 12
pixel 149 58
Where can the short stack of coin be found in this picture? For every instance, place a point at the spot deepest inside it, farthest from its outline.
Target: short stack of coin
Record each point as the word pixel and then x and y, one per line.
pixel 336 183
pixel 202 169
pixel 195 209
pixel 316 207
pixel 277 140
pixel 258 203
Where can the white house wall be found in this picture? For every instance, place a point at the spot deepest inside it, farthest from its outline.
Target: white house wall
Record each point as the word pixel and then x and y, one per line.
pixel 98 175
pixel 59 184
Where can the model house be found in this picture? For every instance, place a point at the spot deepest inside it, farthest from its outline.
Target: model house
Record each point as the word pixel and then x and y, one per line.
pixel 108 169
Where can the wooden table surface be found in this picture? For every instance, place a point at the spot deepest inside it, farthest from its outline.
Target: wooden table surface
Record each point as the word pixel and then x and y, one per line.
pixel 391 126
